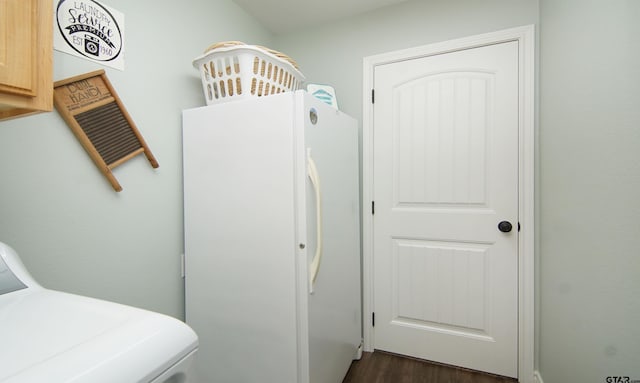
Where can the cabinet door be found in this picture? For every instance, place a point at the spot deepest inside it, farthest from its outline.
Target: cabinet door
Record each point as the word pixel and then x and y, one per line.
pixel 17 46
pixel 26 57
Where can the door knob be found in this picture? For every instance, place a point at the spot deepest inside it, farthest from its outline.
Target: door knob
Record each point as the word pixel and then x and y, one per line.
pixel 505 226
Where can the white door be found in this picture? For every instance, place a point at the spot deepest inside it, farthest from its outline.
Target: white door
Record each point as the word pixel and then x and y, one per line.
pixel 445 174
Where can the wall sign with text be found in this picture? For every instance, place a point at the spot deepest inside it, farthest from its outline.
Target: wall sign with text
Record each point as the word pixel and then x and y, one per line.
pixel 91 30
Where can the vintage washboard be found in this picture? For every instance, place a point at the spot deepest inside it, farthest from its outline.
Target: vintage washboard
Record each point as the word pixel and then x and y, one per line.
pixel 96 115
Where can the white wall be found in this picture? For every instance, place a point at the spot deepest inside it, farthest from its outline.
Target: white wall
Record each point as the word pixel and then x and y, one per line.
pixel 590 190
pixel 72 230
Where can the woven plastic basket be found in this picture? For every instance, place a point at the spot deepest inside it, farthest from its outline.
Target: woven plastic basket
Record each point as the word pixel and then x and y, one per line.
pixel 233 71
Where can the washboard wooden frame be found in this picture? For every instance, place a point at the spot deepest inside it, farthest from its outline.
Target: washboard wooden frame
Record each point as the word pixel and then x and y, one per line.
pixel 91 107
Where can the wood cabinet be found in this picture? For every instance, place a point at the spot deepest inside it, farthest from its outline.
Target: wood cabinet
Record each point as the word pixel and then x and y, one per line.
pixel 26 57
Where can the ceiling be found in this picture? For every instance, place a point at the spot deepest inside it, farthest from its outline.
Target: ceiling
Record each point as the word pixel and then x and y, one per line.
pixel 282 16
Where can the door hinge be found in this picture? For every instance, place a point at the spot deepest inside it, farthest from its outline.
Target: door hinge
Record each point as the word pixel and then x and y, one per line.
pixel 373 319
pixel 373 207
pixel 182 266
pixel 373 96
pixel 518 227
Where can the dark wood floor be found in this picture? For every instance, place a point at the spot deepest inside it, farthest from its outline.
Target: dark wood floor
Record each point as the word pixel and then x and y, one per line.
pixel 382 367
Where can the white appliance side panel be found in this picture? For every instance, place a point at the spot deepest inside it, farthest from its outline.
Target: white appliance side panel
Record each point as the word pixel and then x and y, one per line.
pixel 239 239
pixel 335 305
pixel 51 336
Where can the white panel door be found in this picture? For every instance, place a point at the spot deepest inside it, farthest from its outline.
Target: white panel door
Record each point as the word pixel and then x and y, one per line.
pixel 445 175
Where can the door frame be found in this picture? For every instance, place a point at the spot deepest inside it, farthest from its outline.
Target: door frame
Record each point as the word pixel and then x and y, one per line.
pixel 525 36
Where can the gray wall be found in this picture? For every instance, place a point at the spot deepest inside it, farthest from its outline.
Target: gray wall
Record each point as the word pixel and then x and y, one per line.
pixel 72 230
pixel 333 54
pixel 589 190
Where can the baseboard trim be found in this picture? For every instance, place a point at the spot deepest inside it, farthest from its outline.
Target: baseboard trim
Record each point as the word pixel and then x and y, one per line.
pixel 358 355
pixel 536 377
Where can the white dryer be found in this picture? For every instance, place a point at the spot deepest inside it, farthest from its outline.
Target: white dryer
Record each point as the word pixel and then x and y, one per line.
pixel 54 337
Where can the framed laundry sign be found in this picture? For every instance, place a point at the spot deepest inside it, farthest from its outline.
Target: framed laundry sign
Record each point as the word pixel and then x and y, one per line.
pixel 91 107
pixel 91 30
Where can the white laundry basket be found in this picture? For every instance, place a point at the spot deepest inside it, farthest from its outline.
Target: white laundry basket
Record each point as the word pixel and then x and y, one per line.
pixel 235 71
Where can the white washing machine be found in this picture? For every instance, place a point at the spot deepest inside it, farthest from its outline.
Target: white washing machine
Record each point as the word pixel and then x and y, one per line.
pixel 54 337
